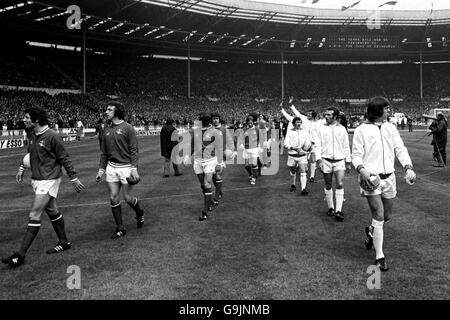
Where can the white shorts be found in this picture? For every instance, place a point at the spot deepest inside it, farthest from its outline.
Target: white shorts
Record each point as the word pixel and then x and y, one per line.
pixel 330 167
pixel 50 187
pixel 294 161
pixel 118 174
pixel 205 166
pixel 252 153
pixel 387 188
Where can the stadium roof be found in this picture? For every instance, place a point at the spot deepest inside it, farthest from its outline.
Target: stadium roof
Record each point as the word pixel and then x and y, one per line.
pixel 227 27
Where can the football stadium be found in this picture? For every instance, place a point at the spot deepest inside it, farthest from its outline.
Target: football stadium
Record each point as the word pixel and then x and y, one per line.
pixel 224 150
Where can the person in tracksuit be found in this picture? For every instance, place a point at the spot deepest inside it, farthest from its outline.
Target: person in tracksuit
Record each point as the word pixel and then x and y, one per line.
pixel 376 144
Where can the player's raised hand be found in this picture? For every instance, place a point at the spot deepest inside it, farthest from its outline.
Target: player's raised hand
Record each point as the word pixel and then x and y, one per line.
pixel 19 175
pixel 291 99
pixel 77 185
pixel 281 103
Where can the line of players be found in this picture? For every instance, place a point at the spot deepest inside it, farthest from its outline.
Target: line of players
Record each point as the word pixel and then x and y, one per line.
pixel 376 143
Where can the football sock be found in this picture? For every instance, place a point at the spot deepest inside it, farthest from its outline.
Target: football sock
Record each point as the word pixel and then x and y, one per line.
pixel 58 226
pixel 292 178
pixel 134 204
pixel 218 184
pixel 339 199
pixel 303 180
pixel 313 170
pixel 255 171
pixel 32 231
pixel 117 214
pixel 378 238
pixel 329 198
pixel 249 170
pixel 208 198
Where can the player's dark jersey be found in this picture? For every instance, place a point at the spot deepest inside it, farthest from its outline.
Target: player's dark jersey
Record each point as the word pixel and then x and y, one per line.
pixel 120 146
pixel 227 139
pixel 48 155
pixel 251 138
pixel 206 143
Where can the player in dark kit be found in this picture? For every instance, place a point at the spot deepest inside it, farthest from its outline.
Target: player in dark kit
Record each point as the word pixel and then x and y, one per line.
pixel 119 160
pixel 227 147
pixel 47 156
pixel 206 145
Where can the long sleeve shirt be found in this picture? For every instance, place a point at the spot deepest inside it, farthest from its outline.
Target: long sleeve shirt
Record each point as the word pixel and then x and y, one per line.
pixel 332 142
pixel 120 146
pixel 376 146
pixel 296 139
pixel 48 155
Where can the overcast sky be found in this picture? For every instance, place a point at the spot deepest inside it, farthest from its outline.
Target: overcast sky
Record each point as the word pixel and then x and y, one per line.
pixel 368 4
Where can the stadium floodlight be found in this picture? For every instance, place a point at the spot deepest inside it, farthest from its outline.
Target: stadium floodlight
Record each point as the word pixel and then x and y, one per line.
pixel 264 42
pixel 236 39
pixel 133 30
pixel 322 43
pixel 153 31
pixel 250 41
pixel 19 5
pixel 164 34
pixel 98 24
pixel 308 42
pixel 429 43
pixel 205 36
pixel 190 35
pixel 220 38
pixel 45 9
pixel 50 16
pixel 115 27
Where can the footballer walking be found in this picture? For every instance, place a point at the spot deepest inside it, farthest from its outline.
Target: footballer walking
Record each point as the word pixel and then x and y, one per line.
pixel 376 143
pixel 332 151
pixel 298 144
pixel 119 161
pixel 47 157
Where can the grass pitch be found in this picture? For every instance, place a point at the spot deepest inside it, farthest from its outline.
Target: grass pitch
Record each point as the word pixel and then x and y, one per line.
pixel 261 242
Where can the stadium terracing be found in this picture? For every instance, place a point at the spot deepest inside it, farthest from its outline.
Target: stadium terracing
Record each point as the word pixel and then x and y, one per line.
pixel 237 29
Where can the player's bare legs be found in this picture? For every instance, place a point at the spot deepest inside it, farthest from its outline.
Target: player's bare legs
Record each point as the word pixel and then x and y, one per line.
pixel 133 202
pixel 34 224
pixel 116 208
pixel 328 178
pixel 205 180
pixel 303 179
pixel 58 225
pixel 376 229
pixel 293 176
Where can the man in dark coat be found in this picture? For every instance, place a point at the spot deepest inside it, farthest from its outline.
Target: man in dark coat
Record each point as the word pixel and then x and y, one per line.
pixel 439 130
pixel 166 147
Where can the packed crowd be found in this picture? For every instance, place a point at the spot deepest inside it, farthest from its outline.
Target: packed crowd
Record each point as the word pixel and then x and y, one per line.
pixel 155 89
